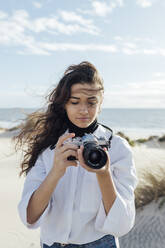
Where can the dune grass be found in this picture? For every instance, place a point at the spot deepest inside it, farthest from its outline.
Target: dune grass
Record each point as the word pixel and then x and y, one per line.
pixel 151 187
pixel 141 140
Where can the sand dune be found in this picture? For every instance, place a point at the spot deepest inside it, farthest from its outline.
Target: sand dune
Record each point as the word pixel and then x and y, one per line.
pixel 149 231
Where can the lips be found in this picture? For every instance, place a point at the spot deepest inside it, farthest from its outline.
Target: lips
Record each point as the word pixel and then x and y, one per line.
pixel 83 118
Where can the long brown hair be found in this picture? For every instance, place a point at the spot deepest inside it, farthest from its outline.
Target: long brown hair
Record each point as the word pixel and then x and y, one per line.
pixel 43 128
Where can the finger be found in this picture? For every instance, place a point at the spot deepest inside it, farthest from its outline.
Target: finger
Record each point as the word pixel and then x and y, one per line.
pixel 63 138
pixel 80 155
pixel 67 147
pixel 69 153
pixel 71 163
pixel 105 149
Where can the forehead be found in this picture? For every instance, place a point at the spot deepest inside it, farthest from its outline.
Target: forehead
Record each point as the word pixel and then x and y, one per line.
pixel 86 89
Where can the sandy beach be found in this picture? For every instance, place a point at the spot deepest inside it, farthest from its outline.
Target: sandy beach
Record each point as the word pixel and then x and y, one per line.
pixel 149 226
pixel 12 232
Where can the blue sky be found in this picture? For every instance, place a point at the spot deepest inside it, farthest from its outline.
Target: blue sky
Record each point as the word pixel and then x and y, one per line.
pixel 124 39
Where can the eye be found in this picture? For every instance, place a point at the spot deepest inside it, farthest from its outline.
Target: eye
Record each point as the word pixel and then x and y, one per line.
pixel 74 103
pixel 91 103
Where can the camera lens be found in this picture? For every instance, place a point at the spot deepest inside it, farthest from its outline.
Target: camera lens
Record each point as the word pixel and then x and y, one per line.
pixel 95 157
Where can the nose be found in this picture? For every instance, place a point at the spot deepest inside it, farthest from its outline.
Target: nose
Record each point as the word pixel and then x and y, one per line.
pixel 83 109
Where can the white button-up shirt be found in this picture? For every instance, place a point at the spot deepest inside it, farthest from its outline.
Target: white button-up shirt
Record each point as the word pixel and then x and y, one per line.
pixel 75 213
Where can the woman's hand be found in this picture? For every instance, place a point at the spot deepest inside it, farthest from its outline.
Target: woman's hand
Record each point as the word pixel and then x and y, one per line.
pixel 102 171
pixel 61 153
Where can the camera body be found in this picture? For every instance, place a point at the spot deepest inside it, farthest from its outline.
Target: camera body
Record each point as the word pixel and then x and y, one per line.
pixel 93 153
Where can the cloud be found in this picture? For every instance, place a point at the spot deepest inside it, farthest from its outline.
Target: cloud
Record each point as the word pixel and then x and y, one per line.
pixel 70 16
pixel 44 48
pixel 3 15
pixel 102 8
pixel 159 75
pixel 120 2
pixel 37 5
pixel 147 94
pixel 53 25
pixel 71 23
pixel 78 47
pixel 139 46
pixel 118 38
pixel 21 31
pixel 130 45
pixel 154 51
pixel 144 3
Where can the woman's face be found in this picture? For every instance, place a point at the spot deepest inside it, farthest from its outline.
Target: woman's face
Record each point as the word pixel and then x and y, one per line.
pixel 84 104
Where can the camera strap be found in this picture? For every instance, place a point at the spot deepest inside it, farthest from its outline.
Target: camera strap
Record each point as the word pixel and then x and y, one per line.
pixel 110 138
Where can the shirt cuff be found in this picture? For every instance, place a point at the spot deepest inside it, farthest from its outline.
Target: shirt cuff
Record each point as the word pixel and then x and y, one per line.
pixel 117 221
pixel 22 210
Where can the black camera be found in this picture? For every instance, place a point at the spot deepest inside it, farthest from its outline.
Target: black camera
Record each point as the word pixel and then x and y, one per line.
pixel 93 153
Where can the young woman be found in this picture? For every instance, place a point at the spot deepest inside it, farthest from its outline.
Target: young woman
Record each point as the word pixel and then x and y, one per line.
pixel 74 204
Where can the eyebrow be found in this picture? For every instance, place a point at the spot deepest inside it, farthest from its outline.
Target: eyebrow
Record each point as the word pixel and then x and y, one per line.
pixel 90 98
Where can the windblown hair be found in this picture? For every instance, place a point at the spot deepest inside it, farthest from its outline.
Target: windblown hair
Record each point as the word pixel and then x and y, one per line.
pixel 43 128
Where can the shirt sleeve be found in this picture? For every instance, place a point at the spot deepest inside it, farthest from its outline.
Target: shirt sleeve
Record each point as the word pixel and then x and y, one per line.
pixel 121 217
pixel 34 178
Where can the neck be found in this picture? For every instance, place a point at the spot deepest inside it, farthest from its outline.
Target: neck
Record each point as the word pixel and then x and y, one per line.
pixel 79 132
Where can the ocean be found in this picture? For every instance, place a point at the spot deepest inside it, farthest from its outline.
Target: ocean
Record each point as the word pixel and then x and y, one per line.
pixel 136 123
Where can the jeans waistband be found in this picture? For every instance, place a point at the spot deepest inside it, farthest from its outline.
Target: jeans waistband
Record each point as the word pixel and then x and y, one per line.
pixel 105 241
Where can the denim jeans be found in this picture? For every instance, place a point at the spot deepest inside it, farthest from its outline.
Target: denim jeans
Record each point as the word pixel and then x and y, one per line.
pixel 107 241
